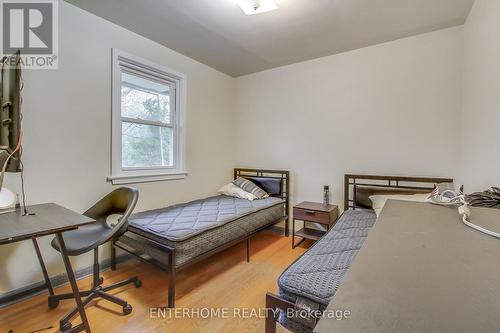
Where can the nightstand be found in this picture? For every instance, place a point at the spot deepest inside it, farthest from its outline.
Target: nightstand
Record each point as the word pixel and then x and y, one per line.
pixel 313 212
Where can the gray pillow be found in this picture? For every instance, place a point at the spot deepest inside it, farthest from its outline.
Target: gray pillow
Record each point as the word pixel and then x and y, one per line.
pixel 250 187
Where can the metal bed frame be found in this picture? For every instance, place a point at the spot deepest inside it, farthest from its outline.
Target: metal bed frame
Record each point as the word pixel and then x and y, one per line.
pixel 351 184
pixel 170 266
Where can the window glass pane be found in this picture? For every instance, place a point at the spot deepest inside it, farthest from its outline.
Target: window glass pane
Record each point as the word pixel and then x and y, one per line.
pixel 146 146
pixel 145 99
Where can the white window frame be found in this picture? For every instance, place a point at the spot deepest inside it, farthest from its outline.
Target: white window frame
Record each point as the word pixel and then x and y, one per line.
pixel 122 61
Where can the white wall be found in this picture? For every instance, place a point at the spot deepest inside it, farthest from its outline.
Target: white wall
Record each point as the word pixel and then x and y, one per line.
pixel 481 97
pixel 392 108
pixel 67 124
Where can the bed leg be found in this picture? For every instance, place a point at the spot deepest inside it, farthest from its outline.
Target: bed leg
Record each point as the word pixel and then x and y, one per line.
pixel 270 316
pixel 113 256
pixel 248 249
pixel 171 279
pixel 273 304
pixel 287 227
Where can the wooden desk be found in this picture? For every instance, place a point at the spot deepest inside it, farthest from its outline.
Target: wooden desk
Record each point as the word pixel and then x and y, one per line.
pixel 422 270
pixel 43 220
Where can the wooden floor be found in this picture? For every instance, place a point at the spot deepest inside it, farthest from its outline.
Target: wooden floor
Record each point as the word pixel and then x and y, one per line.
pixel 225 280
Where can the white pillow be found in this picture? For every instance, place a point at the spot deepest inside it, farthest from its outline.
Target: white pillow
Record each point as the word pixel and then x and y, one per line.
pixel 380 200
pixel 232 190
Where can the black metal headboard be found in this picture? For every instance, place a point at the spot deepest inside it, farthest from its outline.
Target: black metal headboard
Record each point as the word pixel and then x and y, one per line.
pixel 282 175
pixel 397 184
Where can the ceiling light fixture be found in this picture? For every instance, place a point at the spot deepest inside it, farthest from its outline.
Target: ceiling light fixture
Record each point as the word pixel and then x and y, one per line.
pixel 251 7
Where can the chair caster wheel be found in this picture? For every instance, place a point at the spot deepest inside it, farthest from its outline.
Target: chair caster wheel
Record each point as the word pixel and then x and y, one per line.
pixel 65 327
pixel 137 283
pixel 127 309
pixel 53 303
pixel 101 280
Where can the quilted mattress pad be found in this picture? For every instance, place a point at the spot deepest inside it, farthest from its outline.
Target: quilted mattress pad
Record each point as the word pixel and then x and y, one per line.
pixel 180 222
pixel 317 274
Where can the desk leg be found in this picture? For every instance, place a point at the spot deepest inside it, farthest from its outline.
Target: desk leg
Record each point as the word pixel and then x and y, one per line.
pixel 48 284
pixel 74 286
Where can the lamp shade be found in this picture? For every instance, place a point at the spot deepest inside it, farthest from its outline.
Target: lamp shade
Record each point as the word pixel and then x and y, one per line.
pixel 7 198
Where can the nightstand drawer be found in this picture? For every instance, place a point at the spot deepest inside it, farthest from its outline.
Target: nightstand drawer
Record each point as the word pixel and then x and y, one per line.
pixel 312 216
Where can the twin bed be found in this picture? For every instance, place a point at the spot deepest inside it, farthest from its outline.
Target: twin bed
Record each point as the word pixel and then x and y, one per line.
pixel 175 237
pixel 313 279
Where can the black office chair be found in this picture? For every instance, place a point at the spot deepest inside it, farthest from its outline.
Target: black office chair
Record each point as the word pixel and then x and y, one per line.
pixel 121 201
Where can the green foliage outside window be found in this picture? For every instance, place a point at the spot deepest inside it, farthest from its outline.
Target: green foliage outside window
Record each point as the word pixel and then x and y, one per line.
pixel 146 145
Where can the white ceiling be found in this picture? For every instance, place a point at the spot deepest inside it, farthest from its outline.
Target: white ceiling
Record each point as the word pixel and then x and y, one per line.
pixel 217 33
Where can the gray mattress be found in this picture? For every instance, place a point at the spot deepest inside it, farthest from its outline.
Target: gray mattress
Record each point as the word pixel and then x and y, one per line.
pixel 199 226
pixel 318 273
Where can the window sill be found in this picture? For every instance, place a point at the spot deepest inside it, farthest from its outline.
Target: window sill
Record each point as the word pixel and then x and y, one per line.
pixel 135 179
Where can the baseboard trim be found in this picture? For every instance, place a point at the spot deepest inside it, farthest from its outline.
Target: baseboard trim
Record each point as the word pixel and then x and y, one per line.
pixel 23 293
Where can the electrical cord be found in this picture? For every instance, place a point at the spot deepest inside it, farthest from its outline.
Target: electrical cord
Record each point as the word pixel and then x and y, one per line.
pixel 465 211
pixel 25 209
pixel 21 116
pixel 454 198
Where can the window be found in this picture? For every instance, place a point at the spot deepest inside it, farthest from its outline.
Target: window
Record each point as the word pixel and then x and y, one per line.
pixel 147 121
